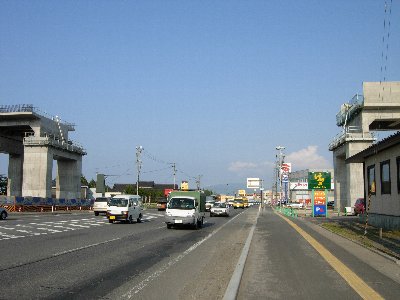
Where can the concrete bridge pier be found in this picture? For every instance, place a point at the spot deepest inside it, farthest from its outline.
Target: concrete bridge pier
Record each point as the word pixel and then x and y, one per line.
pixel 69 178
pixel 37 172
pixel 15 165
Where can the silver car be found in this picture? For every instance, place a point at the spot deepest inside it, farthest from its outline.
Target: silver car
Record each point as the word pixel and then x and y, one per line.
pixel 100 205
pixel 220 209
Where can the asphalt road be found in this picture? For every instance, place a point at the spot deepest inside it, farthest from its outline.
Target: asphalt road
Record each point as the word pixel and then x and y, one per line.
pixel 81 256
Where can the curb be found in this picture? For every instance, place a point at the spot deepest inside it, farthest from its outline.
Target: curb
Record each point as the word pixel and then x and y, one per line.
pixel 233 286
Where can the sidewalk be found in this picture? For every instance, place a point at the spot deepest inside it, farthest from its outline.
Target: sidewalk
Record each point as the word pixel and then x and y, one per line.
pixel 276 256
pixel 353 228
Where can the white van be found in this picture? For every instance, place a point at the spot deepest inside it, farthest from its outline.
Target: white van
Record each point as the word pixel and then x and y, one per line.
pixel 127 208
pixel 100 205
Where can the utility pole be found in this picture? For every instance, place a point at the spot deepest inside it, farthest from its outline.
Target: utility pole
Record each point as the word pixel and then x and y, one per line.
pixel 278 167
pixel 174 167
pixel 139 150
pixel 198 182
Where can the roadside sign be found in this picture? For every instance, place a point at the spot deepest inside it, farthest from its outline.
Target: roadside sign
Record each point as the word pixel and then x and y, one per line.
pixel 319 180
pixel 253 183
pixel 319 203
pixel 319 210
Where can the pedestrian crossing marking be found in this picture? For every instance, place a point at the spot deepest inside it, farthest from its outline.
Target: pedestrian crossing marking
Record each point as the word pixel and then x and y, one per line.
pixel 38 228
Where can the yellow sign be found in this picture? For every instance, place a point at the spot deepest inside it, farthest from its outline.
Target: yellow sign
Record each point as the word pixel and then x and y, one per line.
pixel 184 185
pixel 242 193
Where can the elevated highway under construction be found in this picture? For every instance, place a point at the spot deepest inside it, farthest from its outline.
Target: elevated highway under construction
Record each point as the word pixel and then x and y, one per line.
pixel 32 140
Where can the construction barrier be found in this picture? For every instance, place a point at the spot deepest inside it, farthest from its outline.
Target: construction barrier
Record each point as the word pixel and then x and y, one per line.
pixel 38 204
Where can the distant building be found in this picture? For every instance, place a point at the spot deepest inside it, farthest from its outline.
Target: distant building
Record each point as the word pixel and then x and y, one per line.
pixel 381 171
pixel 121 187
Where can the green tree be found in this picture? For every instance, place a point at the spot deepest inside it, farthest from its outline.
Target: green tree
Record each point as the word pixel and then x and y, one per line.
pixel 84 181
pixel 92 183
pixel 129 190
pixel 208 192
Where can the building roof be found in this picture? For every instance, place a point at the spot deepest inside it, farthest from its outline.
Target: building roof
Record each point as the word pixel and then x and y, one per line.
pixel 120 187
pixel 382 145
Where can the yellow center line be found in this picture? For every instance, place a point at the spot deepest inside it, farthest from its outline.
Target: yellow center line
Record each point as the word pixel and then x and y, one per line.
pixel 359 285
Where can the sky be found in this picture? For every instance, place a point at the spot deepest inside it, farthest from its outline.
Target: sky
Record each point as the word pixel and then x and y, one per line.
pixel 212 86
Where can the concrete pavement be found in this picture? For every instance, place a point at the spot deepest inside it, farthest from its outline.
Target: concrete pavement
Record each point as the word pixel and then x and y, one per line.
pixel 309 262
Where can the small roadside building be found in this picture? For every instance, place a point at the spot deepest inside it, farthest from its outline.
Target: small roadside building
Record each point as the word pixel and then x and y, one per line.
pixel 381 170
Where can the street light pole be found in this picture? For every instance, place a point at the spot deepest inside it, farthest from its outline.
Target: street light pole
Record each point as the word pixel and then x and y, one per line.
pixel 139 150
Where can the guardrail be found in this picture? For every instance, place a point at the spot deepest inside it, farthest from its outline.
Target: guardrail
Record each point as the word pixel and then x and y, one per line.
pixel 48 141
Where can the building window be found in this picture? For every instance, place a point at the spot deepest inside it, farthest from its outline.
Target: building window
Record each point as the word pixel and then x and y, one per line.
pixel 371 179
pixel 398 174
pixel 385 177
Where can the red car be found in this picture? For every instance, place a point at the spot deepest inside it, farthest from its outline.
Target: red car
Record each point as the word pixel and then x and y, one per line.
pixel 359 206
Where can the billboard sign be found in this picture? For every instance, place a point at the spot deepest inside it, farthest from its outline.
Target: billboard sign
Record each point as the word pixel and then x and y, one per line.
pixel 184 185
pixel 299 185
pixel 319 180
pixel 253 183
pixel 286 168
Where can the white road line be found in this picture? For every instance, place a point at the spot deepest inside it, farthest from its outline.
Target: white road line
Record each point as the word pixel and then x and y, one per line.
pixel 84 247
pixel 48 229
pixel 141 285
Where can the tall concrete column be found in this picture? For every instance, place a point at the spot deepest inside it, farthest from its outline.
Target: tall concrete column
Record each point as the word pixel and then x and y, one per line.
pixel 69 178
pixel 14 184
pixel 355 173
pixel 37 171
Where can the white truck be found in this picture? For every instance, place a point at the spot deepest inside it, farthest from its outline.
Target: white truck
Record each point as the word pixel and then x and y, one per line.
pixel 185 208
pixel 125 208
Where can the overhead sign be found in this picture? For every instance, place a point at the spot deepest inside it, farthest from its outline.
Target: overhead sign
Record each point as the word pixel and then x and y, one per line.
pixel 253 183
pixel 319 180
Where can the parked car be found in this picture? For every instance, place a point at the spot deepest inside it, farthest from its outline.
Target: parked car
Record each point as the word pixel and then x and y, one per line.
pixel 220 209
pixel 100 205
pixel 331 204
pixel 3 213
pixel 295 205
pixel 359 206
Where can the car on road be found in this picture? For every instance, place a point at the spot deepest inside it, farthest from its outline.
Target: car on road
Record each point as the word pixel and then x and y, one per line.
pixel 3 213
pixel 331 204
pixel 209 204
pixel 238 203
pixel 295 205
pixel 162 203
pixel 125 208
pixel 100 205
pixel 359 206
pixel 220 209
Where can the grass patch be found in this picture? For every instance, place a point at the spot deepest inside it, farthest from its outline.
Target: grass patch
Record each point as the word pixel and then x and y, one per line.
pixel 350 233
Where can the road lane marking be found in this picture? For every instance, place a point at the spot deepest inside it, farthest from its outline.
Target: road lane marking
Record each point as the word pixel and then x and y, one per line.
pixel 84 247
pixel 358 285
pixel 233 285
pixel 141 285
